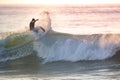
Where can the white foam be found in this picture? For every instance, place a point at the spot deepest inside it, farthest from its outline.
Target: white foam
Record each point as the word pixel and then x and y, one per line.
pixel 44 22
pixel 59 48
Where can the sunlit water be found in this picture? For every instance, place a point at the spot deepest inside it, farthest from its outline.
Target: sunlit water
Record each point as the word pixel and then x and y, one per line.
pixel 70 56
pixel 72 19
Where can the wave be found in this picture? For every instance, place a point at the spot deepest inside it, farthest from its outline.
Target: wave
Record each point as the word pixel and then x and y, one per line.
pixel 16 46
pixel 19 45
pixel 55 46
pixel 66 47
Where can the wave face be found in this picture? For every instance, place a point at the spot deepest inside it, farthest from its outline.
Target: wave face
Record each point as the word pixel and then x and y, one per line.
pixel 56 46
pixel 16 46
pixel 65 47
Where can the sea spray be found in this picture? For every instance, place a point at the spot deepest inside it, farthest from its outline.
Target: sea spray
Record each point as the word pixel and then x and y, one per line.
pixel 63 47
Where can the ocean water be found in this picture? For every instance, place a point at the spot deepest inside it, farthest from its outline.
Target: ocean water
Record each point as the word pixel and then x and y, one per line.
pixel 83 43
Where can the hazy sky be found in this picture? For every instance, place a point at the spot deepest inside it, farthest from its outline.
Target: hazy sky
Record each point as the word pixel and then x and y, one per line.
pixel 59 1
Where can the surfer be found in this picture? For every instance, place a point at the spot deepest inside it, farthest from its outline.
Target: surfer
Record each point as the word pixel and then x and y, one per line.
pixel 32 24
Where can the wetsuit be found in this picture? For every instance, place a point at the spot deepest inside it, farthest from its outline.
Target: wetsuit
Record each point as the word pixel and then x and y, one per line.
pixel 32 25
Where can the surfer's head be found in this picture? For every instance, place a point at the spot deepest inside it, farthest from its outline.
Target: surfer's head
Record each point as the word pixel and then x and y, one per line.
pixel 33 19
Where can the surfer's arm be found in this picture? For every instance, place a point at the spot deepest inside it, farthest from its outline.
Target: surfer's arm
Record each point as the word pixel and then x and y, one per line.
pixel 36 19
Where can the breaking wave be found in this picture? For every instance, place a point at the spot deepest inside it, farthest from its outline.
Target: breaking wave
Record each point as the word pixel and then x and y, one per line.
pixel 65 47
pixel 15 46
pixel 56 46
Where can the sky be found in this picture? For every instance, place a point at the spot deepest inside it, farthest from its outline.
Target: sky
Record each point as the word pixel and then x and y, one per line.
pixel 59 1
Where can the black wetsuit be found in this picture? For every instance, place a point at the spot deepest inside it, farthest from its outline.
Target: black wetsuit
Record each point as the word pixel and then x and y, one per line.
pixel 32 24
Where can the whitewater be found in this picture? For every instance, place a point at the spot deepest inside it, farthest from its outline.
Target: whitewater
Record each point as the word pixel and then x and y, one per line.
pixel 78 40
pixel 56 46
